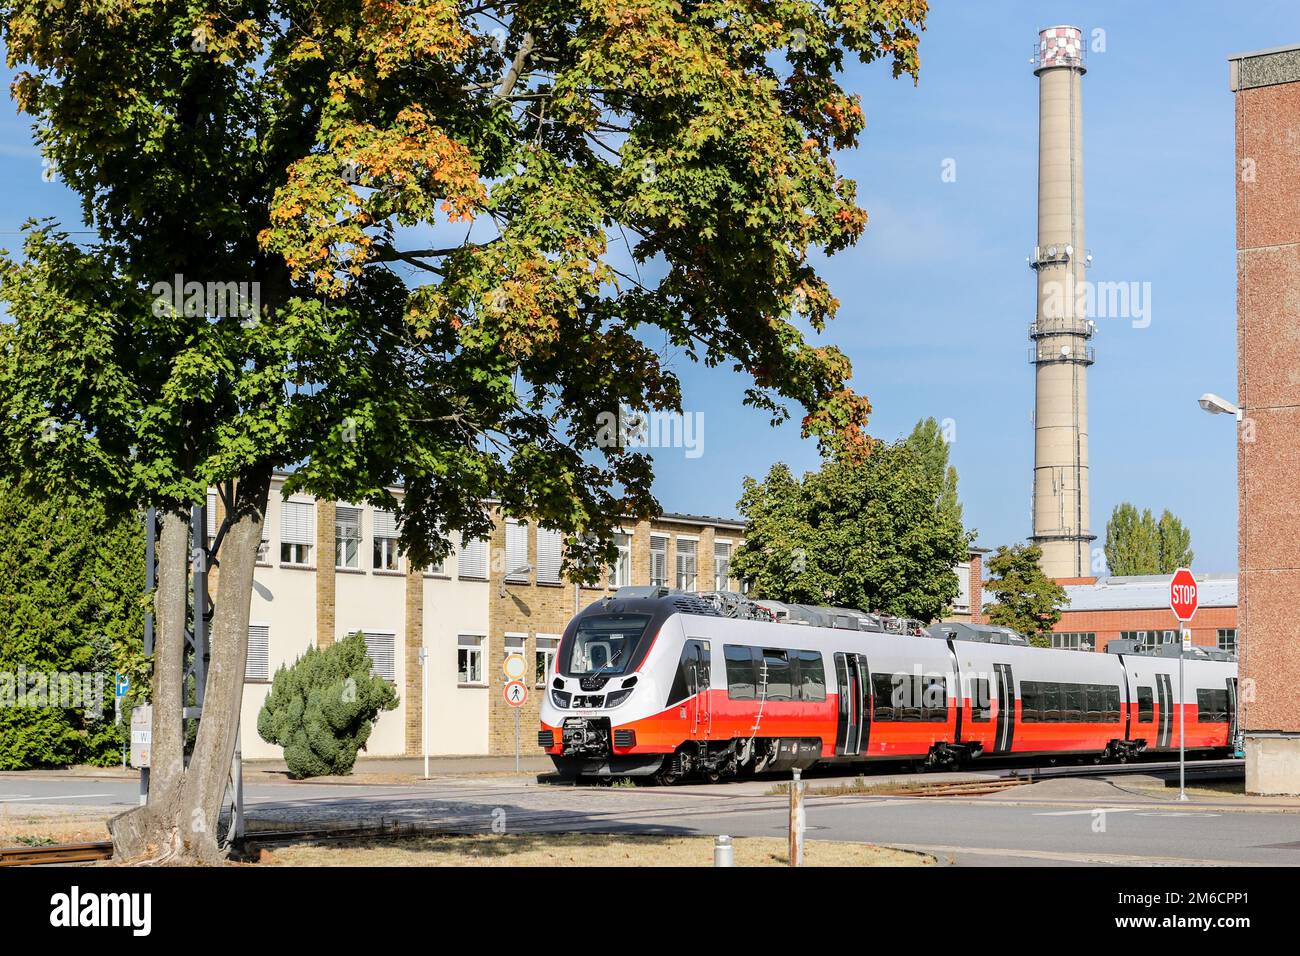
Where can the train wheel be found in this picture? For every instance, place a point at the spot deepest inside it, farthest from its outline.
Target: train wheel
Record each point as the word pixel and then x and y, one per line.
pixel 671 772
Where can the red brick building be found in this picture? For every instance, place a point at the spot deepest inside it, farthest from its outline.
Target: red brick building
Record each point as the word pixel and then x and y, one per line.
pixel 1137 608
pixel 1266 102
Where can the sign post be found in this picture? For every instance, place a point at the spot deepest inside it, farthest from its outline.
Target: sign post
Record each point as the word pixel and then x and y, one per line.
pixel 516 694
pixel 120 686
pixel 1183 601
pixel 424 708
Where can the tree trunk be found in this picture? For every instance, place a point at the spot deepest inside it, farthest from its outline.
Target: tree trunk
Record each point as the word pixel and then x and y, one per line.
pixel 147 831
pixel 204 787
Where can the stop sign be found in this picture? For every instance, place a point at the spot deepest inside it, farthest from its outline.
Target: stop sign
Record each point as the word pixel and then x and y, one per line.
pixel 1182 594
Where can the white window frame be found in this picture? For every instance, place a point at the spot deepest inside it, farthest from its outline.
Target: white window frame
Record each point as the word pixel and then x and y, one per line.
pixel 684 582
pixel 722 583
pixel 377 668
pixel 340 557
pixel 516 551
pixel 473 547
pixel 384 552
pixel 265 674
pixel 620 572
pixel 299 553
pixel 550 556
pixel 662 541
pixel 474 646
pixel 545 649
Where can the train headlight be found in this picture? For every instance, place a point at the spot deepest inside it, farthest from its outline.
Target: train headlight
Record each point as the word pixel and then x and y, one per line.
pixel 560 699
pixel 617 697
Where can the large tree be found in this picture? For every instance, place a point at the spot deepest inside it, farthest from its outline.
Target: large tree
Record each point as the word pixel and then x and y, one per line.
pixel 460 224
pixel 1138 543
pixel 1024 598
pixel 870 534
pixel 931 444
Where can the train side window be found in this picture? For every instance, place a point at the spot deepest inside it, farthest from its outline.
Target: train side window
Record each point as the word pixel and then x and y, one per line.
pixel 740 672
pixel 1146 709
pixel 778 674
pixel 981 704
pixel 1051 702
pixel 1211 706
pixel 1112 704
pixel 934 700
pixel 1094 703
pixel 812 675
pixel 1074 702
pixel 882 691
pixel 1031 702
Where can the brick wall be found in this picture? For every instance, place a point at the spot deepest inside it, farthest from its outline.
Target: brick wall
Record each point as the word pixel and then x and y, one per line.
pixel 413 697
pixel 324 561
pixel 977 589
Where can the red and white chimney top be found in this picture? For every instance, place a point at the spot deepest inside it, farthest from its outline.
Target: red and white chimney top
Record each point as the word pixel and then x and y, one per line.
pixel 1060 46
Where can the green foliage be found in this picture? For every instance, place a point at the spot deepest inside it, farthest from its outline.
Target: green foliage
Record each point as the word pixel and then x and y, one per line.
pixel 1025 599
pixel 305 148
pixel 321 709
pixel 1139 544
pixel 929 442
pixel 71 578
pixel 870 534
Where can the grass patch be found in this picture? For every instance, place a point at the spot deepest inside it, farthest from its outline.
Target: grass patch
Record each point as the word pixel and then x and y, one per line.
pixel 577 849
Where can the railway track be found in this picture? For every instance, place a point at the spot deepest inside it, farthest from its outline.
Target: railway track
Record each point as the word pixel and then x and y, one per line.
pixel 101 850
pixel 58 853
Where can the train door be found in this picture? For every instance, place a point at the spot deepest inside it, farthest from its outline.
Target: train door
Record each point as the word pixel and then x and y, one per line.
pixel 1232 711
pixel 690 689
pixel 853 724
pixel 1165 701
pixel 1005 733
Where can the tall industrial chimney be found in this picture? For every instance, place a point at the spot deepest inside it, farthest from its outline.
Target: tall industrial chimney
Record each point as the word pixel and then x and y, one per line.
pixel 1061 331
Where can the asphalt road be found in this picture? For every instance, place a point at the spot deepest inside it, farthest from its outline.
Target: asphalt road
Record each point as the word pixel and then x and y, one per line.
pixel 1078 822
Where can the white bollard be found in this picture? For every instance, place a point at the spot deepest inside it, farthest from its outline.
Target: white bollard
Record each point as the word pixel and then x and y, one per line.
pixel 724 853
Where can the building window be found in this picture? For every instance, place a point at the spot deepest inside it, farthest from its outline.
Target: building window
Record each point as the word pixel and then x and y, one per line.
pixel 721 565
pixel 297 531
pixel 1228 639
pixel 382 647
pixel 474 559
pixel 547 644
pixel 347 537
pixel 686 576
pixel 550 556
pixel 469 659
pixel 438 567
pixel 516 551
pixel 1150 639
pixel 257 666
pixel 264 547
pixel 1075 641
pixel 620 572
pixel 658 561
pixel 386 537
pixel 961 605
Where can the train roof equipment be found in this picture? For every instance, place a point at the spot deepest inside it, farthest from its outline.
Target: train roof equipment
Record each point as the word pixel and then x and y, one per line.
pixel 984 633
pixel 1195 653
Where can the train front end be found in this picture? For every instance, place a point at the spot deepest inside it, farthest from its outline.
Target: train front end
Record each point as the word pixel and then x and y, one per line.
pixel 601 708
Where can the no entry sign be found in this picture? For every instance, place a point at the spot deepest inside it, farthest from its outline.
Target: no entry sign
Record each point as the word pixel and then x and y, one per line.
pixel 1183 599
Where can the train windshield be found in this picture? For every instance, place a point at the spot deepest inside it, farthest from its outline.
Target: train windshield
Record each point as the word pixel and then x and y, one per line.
pixel 605 643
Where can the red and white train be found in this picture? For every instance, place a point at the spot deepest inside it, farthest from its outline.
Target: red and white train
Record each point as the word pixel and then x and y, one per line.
pixel 652 682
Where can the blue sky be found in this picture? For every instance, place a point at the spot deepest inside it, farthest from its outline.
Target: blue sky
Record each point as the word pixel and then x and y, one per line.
pixel 936 298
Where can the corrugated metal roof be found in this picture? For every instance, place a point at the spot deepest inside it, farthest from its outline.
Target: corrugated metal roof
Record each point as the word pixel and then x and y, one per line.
pixel 1146 592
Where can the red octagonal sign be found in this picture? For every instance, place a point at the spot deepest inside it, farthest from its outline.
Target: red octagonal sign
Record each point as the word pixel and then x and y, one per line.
pixel 1183 599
